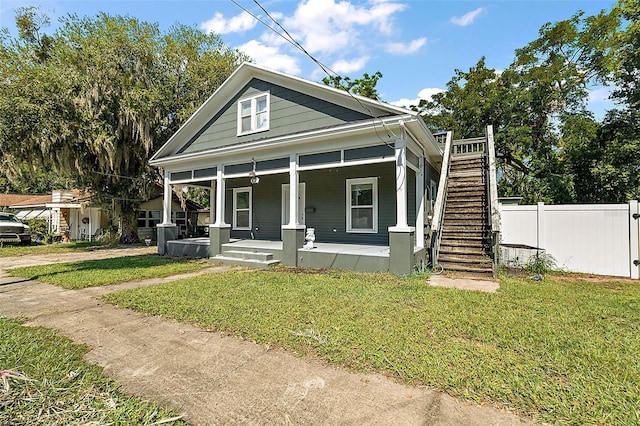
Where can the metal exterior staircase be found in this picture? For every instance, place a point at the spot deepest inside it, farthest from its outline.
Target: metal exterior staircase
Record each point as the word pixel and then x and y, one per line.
pixel 465 228
pixel 465 245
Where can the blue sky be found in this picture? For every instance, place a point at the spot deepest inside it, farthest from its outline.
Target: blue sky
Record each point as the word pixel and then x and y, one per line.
pixel 416 45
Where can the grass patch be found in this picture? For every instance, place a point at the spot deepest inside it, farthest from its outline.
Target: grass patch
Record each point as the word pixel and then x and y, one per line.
pixel 44 381
pixel 92 273
pixel 7 250
pixel 561 350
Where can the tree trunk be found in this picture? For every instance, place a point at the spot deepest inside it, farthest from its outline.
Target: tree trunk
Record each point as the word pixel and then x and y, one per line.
pixel 128 224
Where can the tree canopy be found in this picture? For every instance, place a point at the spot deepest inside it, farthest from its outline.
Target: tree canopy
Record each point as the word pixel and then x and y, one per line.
pixel 364 86
pixel 97 97
pixel 548 145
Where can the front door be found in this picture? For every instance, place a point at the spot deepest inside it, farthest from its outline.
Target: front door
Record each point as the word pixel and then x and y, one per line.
pixel 285 203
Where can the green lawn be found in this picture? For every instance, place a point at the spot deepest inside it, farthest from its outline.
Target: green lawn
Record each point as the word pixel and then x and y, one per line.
pixel 92 273
pixel 562 350
pixel 7 250
pixel 44 381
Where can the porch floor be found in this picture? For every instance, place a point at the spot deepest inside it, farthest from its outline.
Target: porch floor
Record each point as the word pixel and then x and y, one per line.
pixel 333 248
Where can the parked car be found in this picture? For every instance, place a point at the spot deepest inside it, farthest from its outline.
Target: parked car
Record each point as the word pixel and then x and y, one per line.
pixel 13 231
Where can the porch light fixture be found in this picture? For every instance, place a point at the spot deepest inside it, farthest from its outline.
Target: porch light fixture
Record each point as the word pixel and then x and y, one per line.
pixel 252 174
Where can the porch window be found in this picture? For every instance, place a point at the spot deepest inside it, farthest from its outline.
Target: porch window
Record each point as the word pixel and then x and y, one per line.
pixel 253 114
pixel 149 218
pixel 242 208
pixel 362 205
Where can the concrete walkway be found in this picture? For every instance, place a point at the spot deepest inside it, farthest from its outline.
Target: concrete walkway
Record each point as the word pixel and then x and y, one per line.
pixel 210 378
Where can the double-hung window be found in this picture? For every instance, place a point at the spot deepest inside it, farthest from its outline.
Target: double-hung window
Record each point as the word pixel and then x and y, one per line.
pixel 253 114
pixel 242 208
pixel 362 205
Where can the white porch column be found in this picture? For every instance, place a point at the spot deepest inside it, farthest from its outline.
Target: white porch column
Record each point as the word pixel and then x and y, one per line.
pixel 220 188
pixel 420 205
pixel 219 231
pixel 401 183
pixel 294 179
pixel 212 197
pixel 166 201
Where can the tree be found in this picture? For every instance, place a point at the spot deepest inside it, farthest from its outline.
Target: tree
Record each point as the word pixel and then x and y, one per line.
pixel 100 95
pixel 365 86
pixel 616 171
pixel 628 55
pixel 547 83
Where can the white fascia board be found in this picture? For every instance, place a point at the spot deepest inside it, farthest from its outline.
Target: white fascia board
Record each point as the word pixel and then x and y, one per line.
pixel 63 205
pixel 322 91
pixel 244 73
pixel 27 206
pixel 314 136
pixel 419 132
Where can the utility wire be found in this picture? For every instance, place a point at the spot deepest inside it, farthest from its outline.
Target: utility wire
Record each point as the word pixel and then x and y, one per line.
pixel 291 40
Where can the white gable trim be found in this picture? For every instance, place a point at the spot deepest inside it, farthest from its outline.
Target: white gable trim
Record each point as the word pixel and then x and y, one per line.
pixel 247 71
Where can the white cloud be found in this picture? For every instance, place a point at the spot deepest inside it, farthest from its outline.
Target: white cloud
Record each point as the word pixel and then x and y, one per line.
pixel 600 95
pixel 271 57
pixel 327 26
pixel 219 25
pixel 406 48
pixel 426 94
pixel 343 66
pixel 467 18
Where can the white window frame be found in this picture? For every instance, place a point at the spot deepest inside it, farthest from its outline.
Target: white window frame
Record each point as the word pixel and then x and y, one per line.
pixel 374 182
pixel 236 210
pixel 254 114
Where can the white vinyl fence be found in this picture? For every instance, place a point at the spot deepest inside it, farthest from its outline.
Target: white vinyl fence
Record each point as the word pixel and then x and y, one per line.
pixel 592 238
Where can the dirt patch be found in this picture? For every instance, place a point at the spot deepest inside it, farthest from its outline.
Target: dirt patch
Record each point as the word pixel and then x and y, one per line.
pixel 488 286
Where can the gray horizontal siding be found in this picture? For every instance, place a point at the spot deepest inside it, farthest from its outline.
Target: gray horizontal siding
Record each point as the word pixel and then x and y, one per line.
pixel 290 112
pixel 325 201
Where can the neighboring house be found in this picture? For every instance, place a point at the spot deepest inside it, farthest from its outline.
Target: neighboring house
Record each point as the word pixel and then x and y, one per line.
pixel 8 200
pixel 70 213
pixel 185 219
pixel 281 154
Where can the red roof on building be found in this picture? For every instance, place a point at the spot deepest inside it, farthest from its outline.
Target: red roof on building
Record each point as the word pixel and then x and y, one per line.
pixel 23 200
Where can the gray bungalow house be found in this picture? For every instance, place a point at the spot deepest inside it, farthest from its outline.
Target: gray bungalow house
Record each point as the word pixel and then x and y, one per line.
pixel 303 174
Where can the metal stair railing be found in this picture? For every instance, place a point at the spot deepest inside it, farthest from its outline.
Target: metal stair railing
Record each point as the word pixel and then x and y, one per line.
pixel 492 198
pixel 438 209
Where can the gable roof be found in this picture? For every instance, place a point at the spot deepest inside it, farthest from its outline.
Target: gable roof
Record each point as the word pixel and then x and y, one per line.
pixel 248 71
pixel 20 200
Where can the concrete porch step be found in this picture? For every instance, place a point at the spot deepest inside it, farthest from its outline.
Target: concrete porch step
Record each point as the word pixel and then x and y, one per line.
pixel 248 255
pixel 249 263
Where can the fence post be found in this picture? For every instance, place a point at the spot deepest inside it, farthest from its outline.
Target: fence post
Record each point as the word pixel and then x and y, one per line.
pixel 540 226
pixel 634 239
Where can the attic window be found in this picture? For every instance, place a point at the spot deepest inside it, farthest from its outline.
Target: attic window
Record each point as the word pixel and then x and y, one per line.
pixel 253 114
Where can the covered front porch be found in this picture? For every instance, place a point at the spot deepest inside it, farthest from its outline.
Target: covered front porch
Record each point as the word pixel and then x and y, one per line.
pixel 261 253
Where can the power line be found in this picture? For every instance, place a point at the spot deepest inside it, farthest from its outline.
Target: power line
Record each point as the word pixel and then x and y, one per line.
pixel 290 39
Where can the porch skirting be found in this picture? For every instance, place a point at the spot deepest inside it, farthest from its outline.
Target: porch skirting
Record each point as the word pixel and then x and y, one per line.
pixel 355 257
